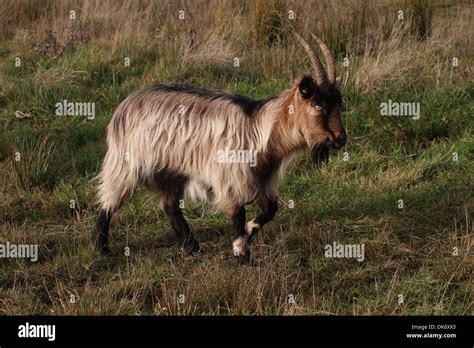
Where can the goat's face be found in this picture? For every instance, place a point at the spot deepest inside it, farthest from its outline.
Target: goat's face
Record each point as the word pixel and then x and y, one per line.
pixel 319 104
pixel 318 118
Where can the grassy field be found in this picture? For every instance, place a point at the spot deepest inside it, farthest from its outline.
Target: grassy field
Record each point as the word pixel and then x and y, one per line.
pixel 423 251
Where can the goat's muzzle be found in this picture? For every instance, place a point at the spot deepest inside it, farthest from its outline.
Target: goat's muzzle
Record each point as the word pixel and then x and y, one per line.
pixel 338 140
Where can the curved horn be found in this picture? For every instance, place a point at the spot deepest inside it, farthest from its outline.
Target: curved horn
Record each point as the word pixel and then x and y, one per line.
pixel 331 63
pixel 318 69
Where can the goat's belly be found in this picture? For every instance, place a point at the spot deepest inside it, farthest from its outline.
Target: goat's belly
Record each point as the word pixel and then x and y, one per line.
pixel 198 191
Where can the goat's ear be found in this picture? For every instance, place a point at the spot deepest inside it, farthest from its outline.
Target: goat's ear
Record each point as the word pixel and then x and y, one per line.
pixel 338 82
pixel 307 87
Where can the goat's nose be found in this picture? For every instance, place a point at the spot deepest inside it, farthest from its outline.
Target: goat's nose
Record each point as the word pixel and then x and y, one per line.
pixel 340 139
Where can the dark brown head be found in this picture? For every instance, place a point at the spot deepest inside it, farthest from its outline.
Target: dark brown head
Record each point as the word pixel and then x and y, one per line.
pixel 319 106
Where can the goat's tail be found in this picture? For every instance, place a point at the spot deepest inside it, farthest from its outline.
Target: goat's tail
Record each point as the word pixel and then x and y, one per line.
pixel 118 176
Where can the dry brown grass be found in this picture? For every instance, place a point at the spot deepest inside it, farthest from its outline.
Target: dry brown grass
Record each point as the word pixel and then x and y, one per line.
pixel 391 59
pixel 213 33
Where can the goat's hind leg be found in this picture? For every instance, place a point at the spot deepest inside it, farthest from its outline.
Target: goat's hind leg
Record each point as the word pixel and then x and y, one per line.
pixel 186 239
pixel 111 200
pixel 101 233
pixel 169 186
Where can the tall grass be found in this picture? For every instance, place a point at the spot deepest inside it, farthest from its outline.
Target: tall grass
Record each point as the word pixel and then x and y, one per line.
pixel 31 161
pixel 216 32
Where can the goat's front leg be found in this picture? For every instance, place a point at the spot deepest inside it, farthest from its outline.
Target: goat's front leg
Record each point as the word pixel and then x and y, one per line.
pixel 268 209
pixel 240 244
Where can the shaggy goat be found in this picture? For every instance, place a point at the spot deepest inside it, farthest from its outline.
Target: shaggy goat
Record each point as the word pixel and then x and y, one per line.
pixel 172 139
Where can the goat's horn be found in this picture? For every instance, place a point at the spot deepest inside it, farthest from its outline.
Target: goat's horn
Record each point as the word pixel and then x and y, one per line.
pixel 331 63
pixel 318 68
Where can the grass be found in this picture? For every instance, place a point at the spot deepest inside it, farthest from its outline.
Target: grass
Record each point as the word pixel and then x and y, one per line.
pixel 352 200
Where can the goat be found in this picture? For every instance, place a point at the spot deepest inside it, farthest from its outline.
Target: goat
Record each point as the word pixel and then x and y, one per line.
pixel 168 137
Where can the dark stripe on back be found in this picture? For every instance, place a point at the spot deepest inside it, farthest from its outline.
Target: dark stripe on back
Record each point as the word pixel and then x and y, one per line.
pixel 249 106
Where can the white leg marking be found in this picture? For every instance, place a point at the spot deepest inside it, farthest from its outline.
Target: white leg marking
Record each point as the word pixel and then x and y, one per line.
pixel 252 227
pixel 240 246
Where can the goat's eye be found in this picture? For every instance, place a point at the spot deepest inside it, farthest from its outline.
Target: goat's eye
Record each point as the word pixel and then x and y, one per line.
pixel 318 107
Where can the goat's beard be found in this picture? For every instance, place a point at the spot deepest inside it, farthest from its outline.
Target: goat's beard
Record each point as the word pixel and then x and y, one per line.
pixel 320 154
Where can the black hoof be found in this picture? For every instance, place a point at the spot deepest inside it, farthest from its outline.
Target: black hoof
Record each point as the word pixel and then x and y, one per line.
pixel 246 260
pixel 100 245
pixel 191 247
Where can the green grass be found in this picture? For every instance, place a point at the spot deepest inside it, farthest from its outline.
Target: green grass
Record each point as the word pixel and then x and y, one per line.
pixel 407 251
